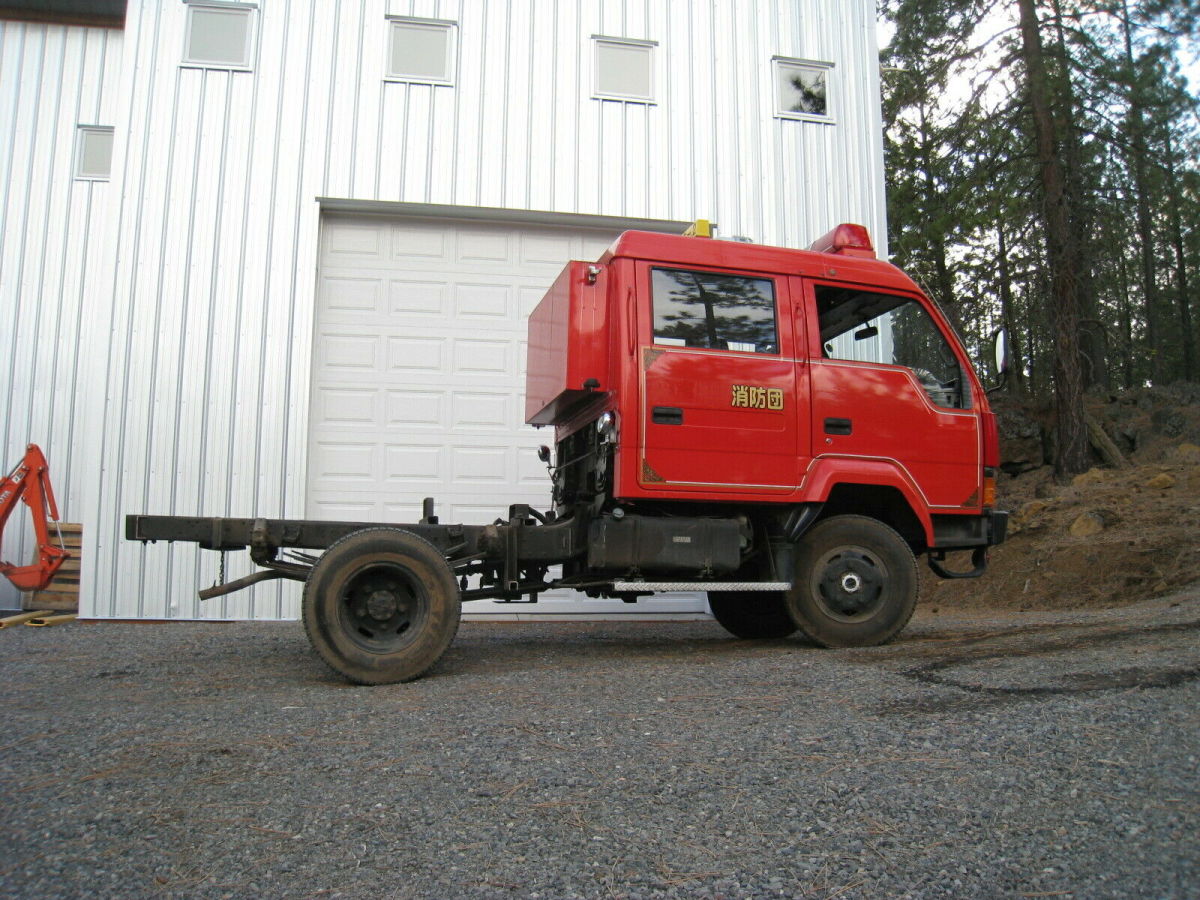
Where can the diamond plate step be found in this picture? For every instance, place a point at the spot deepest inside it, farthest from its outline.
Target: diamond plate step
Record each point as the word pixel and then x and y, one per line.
pixel 667 586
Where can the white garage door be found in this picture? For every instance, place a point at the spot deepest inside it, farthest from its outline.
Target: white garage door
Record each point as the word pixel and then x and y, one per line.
pixel 419 377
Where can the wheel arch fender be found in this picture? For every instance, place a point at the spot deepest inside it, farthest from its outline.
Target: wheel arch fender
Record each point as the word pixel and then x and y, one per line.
pixel 831 479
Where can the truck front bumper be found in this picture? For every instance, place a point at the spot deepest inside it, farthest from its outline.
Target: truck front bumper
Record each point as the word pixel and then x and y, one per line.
pixel 974 533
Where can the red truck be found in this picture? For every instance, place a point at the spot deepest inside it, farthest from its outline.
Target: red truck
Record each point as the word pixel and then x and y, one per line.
pixel 785 430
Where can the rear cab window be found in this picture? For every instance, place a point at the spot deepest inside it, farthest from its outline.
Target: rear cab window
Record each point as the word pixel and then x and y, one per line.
pixel 715 311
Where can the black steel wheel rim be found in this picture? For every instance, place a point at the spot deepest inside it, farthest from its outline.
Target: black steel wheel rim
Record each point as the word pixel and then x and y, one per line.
pixel 849 583
pixel 383 607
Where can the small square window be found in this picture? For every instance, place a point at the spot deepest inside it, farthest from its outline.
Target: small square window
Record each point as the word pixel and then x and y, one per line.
pixel 93 153
pixel 624 69
pixel 218 36
pixel 802 89
pixel 421 50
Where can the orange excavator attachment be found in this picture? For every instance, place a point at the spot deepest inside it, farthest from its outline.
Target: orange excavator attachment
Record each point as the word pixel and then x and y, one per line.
pixel 30 481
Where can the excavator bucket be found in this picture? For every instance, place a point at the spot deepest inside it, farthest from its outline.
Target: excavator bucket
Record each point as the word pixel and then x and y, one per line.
pixel 30 481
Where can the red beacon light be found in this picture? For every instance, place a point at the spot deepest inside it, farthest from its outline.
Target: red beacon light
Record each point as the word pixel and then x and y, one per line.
pixel 846 240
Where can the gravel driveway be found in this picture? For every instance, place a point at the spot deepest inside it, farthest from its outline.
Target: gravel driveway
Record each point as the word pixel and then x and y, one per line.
pixel 1014 755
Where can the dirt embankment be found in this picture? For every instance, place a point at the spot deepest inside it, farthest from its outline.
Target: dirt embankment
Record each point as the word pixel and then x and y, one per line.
pixel 1108 536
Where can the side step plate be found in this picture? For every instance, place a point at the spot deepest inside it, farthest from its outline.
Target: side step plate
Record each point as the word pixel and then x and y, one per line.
pixel 670 586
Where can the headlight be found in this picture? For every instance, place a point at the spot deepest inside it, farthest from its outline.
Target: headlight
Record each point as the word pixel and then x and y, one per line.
pixel 606 426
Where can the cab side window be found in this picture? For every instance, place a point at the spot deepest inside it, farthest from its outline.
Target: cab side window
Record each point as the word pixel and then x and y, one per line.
pixel 897 331
pixel 714 311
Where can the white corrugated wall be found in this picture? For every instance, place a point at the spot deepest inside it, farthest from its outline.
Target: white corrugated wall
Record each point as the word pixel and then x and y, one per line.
pixel 207 325
pixel 55 253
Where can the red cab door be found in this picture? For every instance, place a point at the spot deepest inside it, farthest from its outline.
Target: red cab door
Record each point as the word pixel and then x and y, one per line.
pixel 719 383
pixel 889 384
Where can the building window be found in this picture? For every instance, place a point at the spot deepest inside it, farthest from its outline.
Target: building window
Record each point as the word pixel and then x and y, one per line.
pixel 715 311
pixel 624 69
pixel 93 153
pixel 219 35
pixel 421 50
pixel 802 89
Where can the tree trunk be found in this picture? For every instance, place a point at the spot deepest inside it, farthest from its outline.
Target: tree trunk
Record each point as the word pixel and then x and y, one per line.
pixel 1145 226
pixel 944 278
pixel 1071 455
pixel 1183 294
pixel 1033 346
pixel 1092 344
pixel 1126 322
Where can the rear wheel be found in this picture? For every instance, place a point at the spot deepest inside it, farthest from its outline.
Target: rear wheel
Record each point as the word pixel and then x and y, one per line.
pixel 752 614
pixel 855 585
pixel 381 606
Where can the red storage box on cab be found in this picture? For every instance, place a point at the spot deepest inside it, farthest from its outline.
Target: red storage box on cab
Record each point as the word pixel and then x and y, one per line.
pixel 568 345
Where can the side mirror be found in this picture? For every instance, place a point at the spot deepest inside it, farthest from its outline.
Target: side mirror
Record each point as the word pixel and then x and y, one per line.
pixel 1000 357
pixel 544 453
pixel 1000 350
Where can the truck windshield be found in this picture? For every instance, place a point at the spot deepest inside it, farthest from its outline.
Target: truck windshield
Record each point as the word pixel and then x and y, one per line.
pixel 883 328
pixel 716 311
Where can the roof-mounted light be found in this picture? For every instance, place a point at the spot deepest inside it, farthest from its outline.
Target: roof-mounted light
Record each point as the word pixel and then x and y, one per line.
pixel 847 240
pixel 700 228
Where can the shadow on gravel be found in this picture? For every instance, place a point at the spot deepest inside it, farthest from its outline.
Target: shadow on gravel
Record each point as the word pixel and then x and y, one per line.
pixel 1051 660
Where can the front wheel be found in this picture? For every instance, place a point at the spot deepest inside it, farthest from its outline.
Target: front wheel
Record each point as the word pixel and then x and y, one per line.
pixel 855 585
pixel 381 606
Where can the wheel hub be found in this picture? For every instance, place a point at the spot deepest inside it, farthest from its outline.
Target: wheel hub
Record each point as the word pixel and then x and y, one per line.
pixel 850 584
pixel 382 605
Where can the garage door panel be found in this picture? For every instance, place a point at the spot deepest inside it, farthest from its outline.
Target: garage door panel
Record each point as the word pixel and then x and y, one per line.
pixel 409 297
pixel 345 462
pixel 478 410
pixel 352 296
pixel 483 357
pixel 414 409
pixel 419 372
pixel 476 465
pixel 339 351
pixel 345 238
pixel 416 354
pixel 411 241
pixel 345 511
pixel 491 245
pixel 484 301
pixel 358 408
pixel 406 464
pixel 546 249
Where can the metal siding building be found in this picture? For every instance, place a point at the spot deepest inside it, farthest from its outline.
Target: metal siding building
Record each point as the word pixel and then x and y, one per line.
pixel 169 329
pixel 57 241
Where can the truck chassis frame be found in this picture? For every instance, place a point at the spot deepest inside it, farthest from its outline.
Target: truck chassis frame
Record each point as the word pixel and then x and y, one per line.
pixel 509 554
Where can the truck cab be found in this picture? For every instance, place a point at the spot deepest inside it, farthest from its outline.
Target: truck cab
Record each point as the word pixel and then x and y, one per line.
pixel 777 387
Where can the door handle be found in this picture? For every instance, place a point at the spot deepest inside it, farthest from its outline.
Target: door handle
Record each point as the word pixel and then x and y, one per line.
pixel 839 426
pixel 667 415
